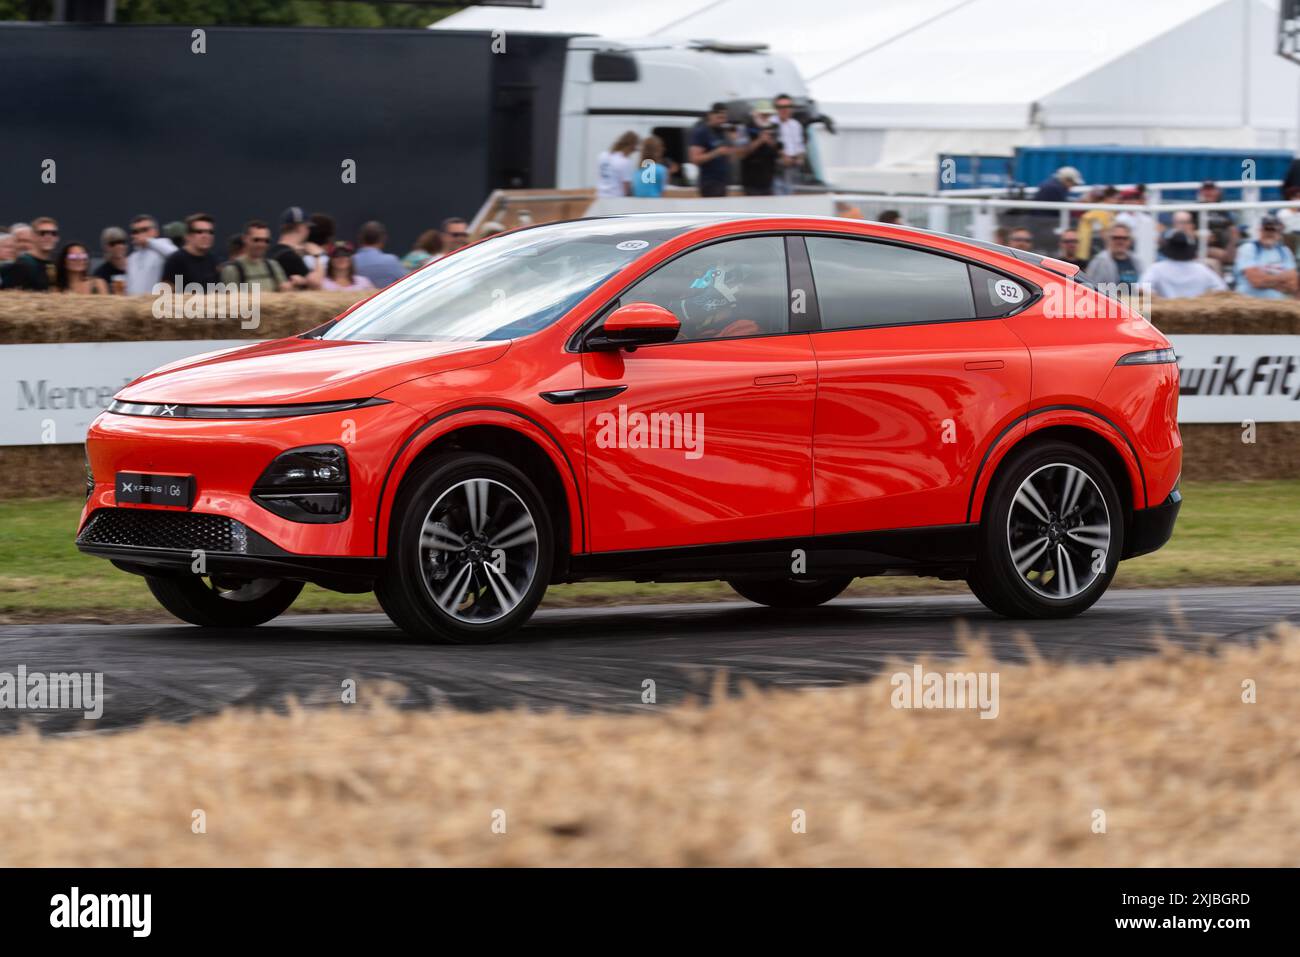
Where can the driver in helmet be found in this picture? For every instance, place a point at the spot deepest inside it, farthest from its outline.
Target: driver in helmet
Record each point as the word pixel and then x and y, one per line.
pixel 712 303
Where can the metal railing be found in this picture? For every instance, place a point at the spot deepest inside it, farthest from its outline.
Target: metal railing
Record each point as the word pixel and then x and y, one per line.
pixel 973 213
pixel 981 214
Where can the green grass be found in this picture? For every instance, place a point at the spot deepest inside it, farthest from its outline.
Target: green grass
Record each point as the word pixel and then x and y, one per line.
pixel 1229 533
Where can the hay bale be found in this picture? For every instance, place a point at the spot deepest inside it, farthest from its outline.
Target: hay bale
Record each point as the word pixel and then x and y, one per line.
pixel 33 317
pixel 1227 314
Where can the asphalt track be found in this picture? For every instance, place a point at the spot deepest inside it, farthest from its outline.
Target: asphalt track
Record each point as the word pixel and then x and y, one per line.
pixel 590 658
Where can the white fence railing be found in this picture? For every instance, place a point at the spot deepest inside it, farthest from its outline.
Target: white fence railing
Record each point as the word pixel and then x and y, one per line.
pixel 973 213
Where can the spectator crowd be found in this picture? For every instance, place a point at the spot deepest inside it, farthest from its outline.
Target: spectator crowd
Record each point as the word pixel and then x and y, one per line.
pixel 304 254
pixel 1102 242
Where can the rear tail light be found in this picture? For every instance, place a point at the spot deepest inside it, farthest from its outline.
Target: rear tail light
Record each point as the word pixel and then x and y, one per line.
pixel 309 485
pixel 1151 357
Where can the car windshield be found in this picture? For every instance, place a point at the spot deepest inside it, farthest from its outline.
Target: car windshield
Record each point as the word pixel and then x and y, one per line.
pixel 506 287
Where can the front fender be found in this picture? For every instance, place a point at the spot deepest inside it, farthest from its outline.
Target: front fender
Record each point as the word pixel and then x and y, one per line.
pixel 444 423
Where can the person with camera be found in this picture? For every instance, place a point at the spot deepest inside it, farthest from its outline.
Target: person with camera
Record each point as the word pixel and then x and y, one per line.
pixel 760 152
pixel 712 146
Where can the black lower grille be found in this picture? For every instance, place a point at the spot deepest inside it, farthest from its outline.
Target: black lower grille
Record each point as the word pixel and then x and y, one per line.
pixel 143 528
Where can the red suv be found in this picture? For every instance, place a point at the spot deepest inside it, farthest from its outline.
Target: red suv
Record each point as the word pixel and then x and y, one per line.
pixel 782 403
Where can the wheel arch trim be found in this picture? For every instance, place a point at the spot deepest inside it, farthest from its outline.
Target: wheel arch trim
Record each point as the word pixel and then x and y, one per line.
pixel 1070 415
pixel 501 417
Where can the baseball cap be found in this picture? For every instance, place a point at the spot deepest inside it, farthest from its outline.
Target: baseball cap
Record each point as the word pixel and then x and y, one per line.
pixel 1072 174
pixel 293 216
pixel 1269 220
pixel 718 107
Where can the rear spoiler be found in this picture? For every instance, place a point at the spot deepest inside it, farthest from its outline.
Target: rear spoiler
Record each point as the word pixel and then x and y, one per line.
pixel 1058 266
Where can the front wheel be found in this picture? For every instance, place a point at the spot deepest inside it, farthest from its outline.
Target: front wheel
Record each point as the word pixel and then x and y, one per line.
pixel 790 592
pixel 470 552
pixel 218 602
pixel 1051 536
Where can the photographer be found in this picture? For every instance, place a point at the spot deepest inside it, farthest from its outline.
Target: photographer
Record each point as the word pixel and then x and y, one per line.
pixel 711 149
pixel 760 153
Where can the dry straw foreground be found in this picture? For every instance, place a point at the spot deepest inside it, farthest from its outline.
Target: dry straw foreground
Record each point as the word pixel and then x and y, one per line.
pixel 1186 773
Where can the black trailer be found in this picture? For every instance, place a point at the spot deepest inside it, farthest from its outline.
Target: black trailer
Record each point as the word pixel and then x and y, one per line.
pixel 136 120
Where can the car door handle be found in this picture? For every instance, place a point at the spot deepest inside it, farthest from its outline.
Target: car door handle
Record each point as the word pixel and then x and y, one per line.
pixel 986 364
pixel 785 378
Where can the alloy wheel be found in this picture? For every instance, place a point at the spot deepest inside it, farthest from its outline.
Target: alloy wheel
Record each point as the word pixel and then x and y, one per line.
pixel 1059 531
pixel 478 550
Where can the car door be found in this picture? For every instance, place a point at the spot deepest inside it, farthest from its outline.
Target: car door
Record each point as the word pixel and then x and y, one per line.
pixel 707 438
pixel 912 384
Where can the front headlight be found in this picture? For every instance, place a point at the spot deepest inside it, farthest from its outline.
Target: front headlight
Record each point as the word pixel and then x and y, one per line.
pixel 309 484
pixel 90 475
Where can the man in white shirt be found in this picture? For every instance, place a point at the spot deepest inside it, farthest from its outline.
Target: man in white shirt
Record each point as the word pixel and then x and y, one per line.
pixel 144 267
pixel 793 147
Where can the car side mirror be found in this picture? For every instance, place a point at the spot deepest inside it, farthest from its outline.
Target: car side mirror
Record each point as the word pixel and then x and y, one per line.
pixel 632 325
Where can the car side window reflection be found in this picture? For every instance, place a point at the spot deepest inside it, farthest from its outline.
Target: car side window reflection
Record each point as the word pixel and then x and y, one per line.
pixel 862 284
pixel 722 291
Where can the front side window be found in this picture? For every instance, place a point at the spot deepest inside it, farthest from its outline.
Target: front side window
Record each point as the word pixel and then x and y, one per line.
pixel 862 283
pixel 504 288
pixel 723 290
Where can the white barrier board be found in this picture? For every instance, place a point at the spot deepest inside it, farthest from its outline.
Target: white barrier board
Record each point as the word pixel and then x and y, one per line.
pixel 52 391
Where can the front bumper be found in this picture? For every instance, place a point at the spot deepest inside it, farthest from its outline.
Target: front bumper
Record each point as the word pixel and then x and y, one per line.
pixel 148 542
pixel 227 458
pixel 1152 527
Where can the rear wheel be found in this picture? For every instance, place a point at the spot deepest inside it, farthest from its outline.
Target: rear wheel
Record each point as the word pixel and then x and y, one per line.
pixel 790 592
pixel 470 552
pixel 220 602
pixel 1051 535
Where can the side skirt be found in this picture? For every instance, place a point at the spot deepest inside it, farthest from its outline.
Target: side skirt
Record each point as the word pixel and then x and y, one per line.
pixel 942 550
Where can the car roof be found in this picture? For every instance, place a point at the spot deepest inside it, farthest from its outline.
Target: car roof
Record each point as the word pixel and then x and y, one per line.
pixel 664 225
pixel 689 221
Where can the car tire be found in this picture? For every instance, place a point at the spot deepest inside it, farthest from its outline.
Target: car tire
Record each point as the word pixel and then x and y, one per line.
pixel 212 603
pixel 790 592
pixel 470 550
pixel 1051 534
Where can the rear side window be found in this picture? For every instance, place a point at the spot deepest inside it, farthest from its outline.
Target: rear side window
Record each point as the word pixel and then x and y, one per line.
pixel 995 294
pixel 862 283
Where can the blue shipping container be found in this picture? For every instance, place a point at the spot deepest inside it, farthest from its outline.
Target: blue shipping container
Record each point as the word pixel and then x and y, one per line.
pixel 970 171
pixel 1100 165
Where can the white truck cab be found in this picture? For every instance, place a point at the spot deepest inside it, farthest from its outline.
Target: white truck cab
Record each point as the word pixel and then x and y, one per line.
pixel 664 87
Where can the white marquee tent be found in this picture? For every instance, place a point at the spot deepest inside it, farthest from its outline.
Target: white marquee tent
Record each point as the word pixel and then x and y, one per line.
pixel 908 79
